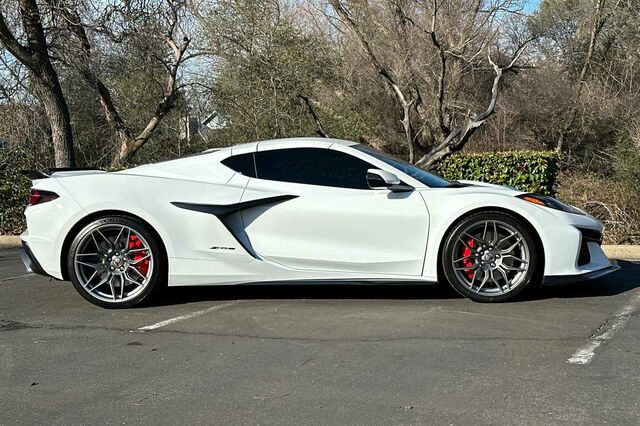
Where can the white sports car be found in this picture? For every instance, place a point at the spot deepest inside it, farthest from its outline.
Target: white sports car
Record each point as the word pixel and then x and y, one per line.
pixel 299 210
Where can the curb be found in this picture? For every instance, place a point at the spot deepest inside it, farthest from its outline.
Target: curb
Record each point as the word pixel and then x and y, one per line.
pixel 622 252
pixel 612 251
pixel 10 241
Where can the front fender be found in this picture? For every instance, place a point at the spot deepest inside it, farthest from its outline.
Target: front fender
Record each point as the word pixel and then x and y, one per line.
pixel 557 230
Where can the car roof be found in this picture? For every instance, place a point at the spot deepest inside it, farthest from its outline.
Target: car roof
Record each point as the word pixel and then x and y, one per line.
pixel 196 162
pixel 308 140
pixel 284 143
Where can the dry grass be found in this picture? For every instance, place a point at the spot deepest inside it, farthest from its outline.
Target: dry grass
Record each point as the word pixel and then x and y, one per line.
pixel 617 206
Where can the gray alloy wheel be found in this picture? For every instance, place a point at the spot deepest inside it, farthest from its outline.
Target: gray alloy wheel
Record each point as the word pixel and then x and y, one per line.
pixel 114 262
pixel 490 257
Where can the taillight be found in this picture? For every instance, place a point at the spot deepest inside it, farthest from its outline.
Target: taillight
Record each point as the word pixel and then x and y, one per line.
pixel 38 196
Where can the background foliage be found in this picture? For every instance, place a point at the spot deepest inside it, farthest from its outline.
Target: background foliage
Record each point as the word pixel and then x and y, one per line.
pixel 14 189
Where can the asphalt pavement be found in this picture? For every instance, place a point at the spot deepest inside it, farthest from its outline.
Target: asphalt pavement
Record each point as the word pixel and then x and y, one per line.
pixel 320 354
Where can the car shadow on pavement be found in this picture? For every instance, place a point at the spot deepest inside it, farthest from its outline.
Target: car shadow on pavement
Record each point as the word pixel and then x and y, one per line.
pixel 305 291
pixel 626 279
pixel 621 281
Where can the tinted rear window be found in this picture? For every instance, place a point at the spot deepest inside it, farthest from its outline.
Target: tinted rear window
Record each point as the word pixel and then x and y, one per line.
pixel 243 163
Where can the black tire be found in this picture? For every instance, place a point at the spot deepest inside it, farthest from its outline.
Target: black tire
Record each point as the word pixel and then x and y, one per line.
pixel 158 268
pixel 526 280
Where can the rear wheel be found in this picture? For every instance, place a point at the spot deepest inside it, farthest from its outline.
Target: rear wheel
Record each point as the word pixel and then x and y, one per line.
pixel 115 262
pixel 490 257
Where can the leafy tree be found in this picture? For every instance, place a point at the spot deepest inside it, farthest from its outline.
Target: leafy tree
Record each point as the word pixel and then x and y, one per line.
pixel 267 71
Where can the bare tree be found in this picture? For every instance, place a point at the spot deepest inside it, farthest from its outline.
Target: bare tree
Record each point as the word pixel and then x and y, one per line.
pixel 457 138
pixel 428 96
pixel 405 99
pixel 81 58
pixel 44 78
pixel 600 18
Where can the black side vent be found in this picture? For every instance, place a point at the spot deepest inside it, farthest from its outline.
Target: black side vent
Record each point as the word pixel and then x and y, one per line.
pixel 584 257
pixel 588 236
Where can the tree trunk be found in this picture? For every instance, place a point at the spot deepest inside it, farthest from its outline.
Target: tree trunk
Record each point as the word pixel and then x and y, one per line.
pixel 129 147
pixel 47 84
pixel 35 57
pixel 55 106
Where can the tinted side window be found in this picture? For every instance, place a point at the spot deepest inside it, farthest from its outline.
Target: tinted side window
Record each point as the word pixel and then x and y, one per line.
pixel 313 166
pixel 243 163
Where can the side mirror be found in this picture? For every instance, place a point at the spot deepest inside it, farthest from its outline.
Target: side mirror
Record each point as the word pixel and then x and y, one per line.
pixel 381 179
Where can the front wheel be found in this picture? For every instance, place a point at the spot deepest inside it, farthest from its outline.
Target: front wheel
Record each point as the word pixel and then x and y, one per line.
pixel 490 257
pixel 115 262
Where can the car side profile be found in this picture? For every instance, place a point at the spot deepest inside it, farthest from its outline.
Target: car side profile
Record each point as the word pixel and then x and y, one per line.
pixel 299 210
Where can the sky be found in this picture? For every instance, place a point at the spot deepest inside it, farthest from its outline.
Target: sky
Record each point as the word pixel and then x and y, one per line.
pixel 531 5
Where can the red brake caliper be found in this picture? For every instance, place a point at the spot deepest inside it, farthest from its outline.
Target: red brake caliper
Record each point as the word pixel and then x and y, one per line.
pixel 143 265
pixel 467 262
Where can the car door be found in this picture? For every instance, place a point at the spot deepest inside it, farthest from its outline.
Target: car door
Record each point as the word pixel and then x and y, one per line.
pixel 333 220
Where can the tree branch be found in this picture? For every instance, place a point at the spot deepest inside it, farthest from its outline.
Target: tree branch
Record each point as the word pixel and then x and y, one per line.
pixel 170 97
pixel 319 127
pixel 7 38
pixel 83 65
pixel 598 25
pixel 458 138
pixel 384 74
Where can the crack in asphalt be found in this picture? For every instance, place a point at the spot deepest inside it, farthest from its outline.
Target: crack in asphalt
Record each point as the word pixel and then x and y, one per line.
pixel 284 338
pixel 8 325
pixel 598 330
pixel 11 279
pixel 606 331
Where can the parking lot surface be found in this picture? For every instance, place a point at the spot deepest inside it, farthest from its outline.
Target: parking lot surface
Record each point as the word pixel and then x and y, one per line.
pixel 320 354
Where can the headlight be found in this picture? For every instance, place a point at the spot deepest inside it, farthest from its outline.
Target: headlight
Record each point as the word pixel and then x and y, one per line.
pixel 552 203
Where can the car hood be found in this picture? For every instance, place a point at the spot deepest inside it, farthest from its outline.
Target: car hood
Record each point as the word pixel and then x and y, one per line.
pixel 476 187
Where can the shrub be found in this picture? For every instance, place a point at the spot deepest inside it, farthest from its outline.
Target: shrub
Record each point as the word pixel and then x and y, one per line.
pixel 625 159
pixel 617 206
pixel 530 171
pixel 14 189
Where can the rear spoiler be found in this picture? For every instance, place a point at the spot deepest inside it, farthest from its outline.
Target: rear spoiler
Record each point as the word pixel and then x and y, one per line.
pixel 35 175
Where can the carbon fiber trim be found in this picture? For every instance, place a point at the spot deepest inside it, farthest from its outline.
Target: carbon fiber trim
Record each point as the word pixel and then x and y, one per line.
pixel 222 210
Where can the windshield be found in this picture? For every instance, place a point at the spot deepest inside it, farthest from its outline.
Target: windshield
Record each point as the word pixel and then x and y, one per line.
pixel 417 173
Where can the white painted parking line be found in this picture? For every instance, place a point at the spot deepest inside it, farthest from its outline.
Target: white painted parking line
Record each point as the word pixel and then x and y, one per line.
pixel 186 316
pixel 585 354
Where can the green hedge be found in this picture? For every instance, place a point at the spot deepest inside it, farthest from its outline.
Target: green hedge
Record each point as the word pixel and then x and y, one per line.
pixel 531 171
pixel 14 190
